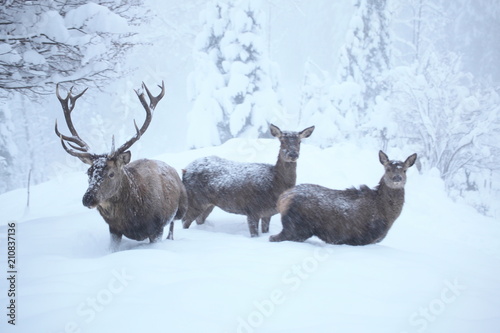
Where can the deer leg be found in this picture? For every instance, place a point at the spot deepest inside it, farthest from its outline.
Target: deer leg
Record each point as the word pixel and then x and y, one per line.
pixel 115 240
pixel 253 225
pixel 277 238
pixel 265 224
pixel 186 223
pixel 171 231
pixel 287 236
pixel 196 213
pixel 291 231
pixel 191 215
pixel 201 219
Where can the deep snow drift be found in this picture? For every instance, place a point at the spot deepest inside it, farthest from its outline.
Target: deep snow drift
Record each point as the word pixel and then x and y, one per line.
pixel 436 271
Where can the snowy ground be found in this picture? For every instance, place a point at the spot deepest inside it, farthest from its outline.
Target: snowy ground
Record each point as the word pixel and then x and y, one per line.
pixel 437 270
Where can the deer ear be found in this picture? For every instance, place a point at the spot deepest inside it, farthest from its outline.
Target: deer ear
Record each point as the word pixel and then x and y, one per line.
pixel 124 158
pixel 384 159
pixel 410 160
pixel 307 132
pixel 275 131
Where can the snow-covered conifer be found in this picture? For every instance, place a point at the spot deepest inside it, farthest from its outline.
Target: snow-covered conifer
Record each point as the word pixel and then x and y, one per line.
pixel 234 87
pixel 364 60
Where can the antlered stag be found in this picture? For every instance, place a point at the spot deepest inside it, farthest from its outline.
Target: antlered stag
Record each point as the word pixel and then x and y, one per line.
pixel 250 189
pixel 353 216
pixel 136 199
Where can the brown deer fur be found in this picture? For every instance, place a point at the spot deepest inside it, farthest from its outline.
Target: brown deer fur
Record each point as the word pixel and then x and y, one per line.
pixel 353 216
pixel 250 189
pixel 135 199
pixel 139 200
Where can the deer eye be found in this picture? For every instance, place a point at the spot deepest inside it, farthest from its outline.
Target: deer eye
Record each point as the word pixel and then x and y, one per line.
pixel 111 174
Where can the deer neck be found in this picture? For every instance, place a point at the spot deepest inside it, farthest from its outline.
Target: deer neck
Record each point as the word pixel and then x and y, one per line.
pixel 126 198
pixel 285 173
pixel 391 200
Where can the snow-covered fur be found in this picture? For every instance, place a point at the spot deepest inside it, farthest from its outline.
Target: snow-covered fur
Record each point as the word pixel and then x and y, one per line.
pixel 250 189
pixel 136 200
pixel 353 216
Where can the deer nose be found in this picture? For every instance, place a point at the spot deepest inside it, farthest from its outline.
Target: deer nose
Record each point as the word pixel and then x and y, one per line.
pixel 397 178
pixel 89 200
pixel 293 155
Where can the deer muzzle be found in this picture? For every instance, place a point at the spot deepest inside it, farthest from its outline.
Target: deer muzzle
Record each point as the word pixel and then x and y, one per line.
pixel 293 156
pixel 397 179
pixel 89 199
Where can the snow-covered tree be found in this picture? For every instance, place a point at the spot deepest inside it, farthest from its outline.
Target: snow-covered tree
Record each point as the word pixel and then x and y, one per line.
pixel 418 27
pixel 8 148
pixel 234 87
pixel 352 106
pixel 327 103
pixel 366 55
pixel 444 112
pixel 46 42
pixel 451 120
pixel 473 31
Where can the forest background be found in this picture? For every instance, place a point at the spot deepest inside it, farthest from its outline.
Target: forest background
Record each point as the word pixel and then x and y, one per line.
pixel 410 75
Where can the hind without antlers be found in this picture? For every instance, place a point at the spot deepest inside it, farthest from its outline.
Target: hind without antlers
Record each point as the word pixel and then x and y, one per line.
pixel 353 216
pixel 250 189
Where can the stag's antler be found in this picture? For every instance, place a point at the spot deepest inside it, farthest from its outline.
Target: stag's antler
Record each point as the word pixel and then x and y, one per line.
pixel 79 147
pixel 149 110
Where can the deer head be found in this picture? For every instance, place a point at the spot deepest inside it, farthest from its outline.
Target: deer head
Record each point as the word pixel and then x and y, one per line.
pixel 106 170
pixel 395 171
pixel 290 142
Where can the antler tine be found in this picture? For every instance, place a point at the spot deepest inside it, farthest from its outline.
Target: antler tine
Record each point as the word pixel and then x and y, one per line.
pixel 113 144
pixel 154 100
pixel 148 108
pixel 68 104
pixel 74 98
pixel 82 155
pixel 142 99
pixel 82 145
